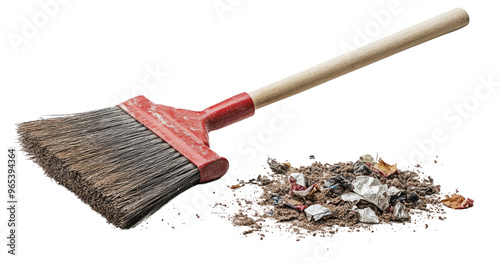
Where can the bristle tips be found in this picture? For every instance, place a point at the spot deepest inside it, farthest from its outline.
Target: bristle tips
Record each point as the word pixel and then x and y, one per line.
pixel 110 161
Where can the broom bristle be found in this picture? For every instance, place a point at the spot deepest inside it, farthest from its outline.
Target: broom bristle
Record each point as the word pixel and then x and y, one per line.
pixel 110 161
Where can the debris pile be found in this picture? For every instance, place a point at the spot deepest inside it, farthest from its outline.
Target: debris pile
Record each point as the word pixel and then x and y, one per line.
pixel 323 197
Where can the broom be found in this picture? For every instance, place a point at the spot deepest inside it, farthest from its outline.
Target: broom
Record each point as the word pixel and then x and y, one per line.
pixel 127 161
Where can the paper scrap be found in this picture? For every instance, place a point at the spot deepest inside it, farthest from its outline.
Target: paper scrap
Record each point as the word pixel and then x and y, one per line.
pixel 297 181
pixel 307 193
pixel 457 201
pixel 385 168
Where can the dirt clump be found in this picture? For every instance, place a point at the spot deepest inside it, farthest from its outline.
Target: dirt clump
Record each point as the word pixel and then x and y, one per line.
pixel 241 219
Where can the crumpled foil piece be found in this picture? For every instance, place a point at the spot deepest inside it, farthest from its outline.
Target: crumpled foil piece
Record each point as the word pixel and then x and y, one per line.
pixel 367 215
pixel 351 197
pixel 361 168
pixel 400 212
pixel 316 212
pixel 393 191
pixel 372 190
pixel 367 158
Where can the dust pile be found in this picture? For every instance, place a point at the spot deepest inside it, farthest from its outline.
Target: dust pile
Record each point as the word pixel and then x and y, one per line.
pixel 322 199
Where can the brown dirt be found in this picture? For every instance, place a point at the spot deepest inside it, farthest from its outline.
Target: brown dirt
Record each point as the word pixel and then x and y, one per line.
pixel 421 196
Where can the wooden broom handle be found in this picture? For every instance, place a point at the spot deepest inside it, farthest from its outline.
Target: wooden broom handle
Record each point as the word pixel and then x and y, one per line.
pixel 375 51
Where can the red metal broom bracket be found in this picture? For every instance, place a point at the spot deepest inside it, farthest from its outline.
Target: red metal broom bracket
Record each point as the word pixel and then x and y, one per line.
pixel 187 131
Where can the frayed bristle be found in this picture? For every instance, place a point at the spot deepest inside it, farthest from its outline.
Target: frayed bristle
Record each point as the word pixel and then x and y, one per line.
pixel 110 161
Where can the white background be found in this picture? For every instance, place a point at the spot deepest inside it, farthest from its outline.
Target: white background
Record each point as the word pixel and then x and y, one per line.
pixel 88 55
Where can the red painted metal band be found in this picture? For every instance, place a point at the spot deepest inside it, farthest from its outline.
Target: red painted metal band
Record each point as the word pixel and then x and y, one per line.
pixel 187 131
pixel 229 111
